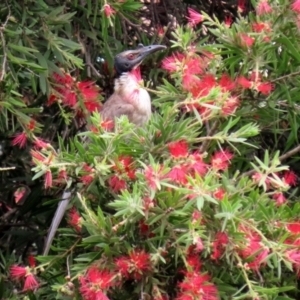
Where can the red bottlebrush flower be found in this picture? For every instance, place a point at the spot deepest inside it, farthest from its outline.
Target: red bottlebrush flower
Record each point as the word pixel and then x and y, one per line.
pixel 40 144
pixel 135 265
pixel 37 155
pixel 108 10
pixel 74 219
pixel 64 79
pixel 107 125
pixel 279 198
pixel 241 5
pixel 196 216
pixel 228 20
pixel 244 82
pixel 219 194
pixel 20 140
pixel 92 105
pixel 226 83
pixel 19 193
pixel 296 6
pixel 17 272
pixel 263 8
pixel 116 184
pixel 87 179
pixel 258 27
pixel 160 31
pixel 197 165
pixel 290 178
pixel 220 160
pixel 31 125
pixel 173 63
pixel 88 89
pixel 246 40
pixel 48 179
pixel 265 88
pixel 178 174
pixel 197 286
pixel 230 106
pixel 219 244
pixel 294 228
pixel 153 177
pixel 293 256
pixel 31 261
pixel 31 283
pixel 178 149
pixel 62 176
pixel 192 258
pixel 69 98
pixel 194 17
pixel 259 260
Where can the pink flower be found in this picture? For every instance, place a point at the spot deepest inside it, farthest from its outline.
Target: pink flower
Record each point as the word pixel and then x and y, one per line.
pixel 197 165
pixel 226 83
pixel 40 144
pixel 296 6
pixel 265 88
pixel 197 286
pixel 221 159
pixel 246 40
pixel 290 178
pixel 173 63
pixel 241 5
pixel 116 183
pixel 19 193
pixel 230 106
pixel 244 82
pixel 279 198
pixel 228 20
pixel 74 219
pixel 20 140
pixel 294 228
pixel 263 7
pixel 48 179
pixel 219 194
pixel 178 174
pixel 178 149
pixel 17 272
pixel 108 10
pixel 135 265
pixel 30 283
pixel 194 17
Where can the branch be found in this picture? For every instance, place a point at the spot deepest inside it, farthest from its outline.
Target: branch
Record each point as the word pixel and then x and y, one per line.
pixel 286 76
pixel 206 142
pixel 2 28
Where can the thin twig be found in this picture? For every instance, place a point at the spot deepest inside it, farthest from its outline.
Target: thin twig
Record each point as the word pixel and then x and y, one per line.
pixel 2 28
pixel 206 142
pixel 286 76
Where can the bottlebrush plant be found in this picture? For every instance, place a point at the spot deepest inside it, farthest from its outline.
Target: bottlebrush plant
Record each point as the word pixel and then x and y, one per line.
pixel 201 203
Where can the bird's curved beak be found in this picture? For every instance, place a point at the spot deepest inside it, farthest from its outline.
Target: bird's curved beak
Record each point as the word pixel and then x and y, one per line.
pixel 131 59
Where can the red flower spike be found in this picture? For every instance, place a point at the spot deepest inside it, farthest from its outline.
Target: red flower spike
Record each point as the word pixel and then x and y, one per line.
pixel 48 179
pixel 290 178
pixel 74 219
pixel 31 261
pixel 228 21
pixel 108 10
pixel 244 82
pixel 230 106
pixel 31 283
pixel 263 8
pixel 178 149
pixel 197 286
pixel 219 244
pixel 31 125
pixel 241 5
pixel 178 174
pixel 17 272
pixel 40 144
pixel 296 6
pixel 117 184
pixel 194 17
pixel 226 83
pixel 89 90
pixel 265 88
pixel 294 228
pixel 107 125
pixel 19 193
pixel 20 140
pixel 135 265
pixel 219 194
pixel 246 40
pixel 221 160
pixel 279 198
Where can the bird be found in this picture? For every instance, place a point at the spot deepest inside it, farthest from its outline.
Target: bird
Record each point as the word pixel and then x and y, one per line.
pixel 129 98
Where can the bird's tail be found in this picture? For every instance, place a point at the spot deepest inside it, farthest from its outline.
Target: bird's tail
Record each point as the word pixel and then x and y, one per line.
pixel 60 211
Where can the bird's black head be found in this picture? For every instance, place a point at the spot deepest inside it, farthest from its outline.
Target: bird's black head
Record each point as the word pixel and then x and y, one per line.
pixel 130 59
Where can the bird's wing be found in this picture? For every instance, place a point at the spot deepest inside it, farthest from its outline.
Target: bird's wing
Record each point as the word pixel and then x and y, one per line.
pixel 116 107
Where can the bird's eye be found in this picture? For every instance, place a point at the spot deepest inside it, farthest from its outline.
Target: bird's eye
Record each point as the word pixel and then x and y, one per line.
pixel 130 56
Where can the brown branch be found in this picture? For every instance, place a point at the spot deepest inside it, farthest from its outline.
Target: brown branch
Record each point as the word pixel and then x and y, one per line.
pixel 2 28
pixel 286 76
pixel 211 132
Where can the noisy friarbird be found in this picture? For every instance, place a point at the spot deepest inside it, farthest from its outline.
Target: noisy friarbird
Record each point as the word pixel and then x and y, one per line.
pixel 129 99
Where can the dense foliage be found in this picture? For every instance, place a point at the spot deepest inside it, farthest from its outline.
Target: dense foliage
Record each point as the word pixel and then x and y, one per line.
pixel 202 202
